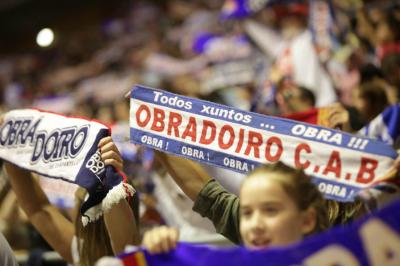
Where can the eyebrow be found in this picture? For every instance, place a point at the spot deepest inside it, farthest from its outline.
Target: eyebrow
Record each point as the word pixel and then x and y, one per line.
pixel 264 203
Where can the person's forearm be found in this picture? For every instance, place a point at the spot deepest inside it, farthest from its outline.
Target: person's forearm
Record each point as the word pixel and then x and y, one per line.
pixel 56 229
pixel 121 226
pixel 189 175
pixel 30 196
pixel 366 26
pixel 50 223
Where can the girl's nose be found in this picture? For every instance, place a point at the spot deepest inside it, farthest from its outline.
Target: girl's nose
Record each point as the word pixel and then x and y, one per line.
pixel 257 222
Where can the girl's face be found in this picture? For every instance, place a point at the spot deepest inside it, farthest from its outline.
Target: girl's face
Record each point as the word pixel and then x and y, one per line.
pixel 269 216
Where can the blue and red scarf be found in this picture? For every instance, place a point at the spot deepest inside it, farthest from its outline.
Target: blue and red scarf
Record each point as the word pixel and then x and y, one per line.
pixel 341 164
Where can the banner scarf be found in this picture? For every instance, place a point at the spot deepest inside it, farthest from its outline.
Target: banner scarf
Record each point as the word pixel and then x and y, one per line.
pixel 374 240
pixel 64 148
pixel 321 24
pixel 341 164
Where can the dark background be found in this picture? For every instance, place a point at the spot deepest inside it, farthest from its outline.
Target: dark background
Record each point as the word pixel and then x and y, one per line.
pixel 21 20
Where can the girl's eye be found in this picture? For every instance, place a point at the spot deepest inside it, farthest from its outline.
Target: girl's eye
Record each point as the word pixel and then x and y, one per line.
pixel 245 213
pixel 270 210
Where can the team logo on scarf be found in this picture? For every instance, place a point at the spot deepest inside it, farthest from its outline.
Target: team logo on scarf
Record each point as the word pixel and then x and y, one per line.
pixel 63 148
pixel 341 164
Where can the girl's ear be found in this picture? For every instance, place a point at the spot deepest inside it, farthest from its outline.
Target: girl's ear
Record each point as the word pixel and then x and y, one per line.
pixel 309 221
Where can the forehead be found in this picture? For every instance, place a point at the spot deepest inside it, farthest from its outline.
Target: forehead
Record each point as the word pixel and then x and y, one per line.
pixel 260 188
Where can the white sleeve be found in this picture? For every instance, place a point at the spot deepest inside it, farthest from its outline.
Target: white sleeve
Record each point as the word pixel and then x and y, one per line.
pixel 309 72
pixel 268 40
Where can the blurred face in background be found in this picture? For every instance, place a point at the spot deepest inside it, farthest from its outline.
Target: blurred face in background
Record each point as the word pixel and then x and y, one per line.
pixel 359 102
pixel 268 215
pixel 370 99
pixel 290 99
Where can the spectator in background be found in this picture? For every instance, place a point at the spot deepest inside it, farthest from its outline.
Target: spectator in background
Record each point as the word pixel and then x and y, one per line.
pixel 370 99
pixel 391 71
pixel 292 49
pixel 293 99
pixel 380 27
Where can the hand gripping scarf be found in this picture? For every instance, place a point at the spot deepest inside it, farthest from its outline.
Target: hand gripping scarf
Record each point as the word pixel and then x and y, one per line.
pixel 64 148
pixel 373 240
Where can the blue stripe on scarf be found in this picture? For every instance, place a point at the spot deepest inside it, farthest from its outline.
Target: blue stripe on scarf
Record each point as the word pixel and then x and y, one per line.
pixel 337 167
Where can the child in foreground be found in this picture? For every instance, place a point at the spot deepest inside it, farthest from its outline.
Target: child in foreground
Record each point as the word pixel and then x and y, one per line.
pixel 279 206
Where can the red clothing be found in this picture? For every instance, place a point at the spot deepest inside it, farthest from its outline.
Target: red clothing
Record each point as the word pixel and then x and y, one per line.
pixel 316 116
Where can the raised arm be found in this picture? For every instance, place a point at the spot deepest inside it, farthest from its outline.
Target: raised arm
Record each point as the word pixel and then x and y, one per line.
pixel 189 175
pixel 366 29
pixel 120 221
pixel 211 200
pixel 47 219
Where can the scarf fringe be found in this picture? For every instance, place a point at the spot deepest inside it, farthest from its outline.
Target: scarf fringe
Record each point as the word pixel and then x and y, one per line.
pixel 115 195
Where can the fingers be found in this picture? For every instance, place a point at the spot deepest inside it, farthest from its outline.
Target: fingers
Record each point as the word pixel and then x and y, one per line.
pixel 110 153
pixel 160 240
pixel 336 121
pixel 104 141
pixel 338 117
pixel 117 164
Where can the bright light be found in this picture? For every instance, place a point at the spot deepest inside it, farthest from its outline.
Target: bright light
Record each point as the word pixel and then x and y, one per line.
pixel 45 37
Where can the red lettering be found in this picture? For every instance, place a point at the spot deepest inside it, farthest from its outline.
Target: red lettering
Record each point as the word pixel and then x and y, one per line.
pixel 278 143
pixel 368 166
pixel 254 141
pixel 158 120
pixel 299 148
pixel 334 164
pixel 206 125
pixel 174 122
pixel 191 129
pixel 226 128
pixel 143 108
pixel 241 137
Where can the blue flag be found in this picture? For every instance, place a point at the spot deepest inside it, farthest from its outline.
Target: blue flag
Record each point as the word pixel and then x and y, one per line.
pixel 385 127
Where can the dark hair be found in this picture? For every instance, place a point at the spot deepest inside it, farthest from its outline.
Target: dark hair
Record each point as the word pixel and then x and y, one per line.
pixel 369 71
pixel 93 240
pixel 390 63
pixel 300 188
pixel 375 96
pixel 344 212
pixel 307 95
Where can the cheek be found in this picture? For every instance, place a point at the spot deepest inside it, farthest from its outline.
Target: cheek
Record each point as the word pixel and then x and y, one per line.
pixel 286 229
pixel 244 229
pixel 359 104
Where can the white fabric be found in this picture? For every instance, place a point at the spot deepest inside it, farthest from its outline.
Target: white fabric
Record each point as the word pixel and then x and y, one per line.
pixel 176 208
pixel 307 70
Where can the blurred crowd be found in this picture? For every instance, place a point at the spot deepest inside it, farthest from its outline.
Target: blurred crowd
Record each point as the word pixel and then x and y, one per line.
pixel 279 57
